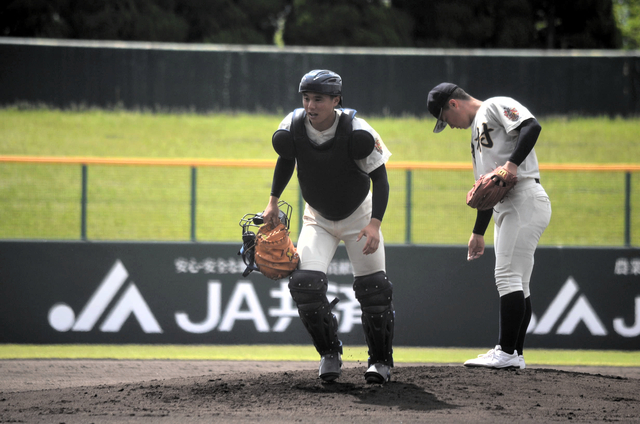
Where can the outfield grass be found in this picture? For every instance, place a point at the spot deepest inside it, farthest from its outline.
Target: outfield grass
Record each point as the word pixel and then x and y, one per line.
pixel 304 353
pixel 239 136
pixel 153 203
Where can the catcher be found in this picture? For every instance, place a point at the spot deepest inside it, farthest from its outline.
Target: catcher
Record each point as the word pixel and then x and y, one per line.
pixel 338 157
pixel 508 188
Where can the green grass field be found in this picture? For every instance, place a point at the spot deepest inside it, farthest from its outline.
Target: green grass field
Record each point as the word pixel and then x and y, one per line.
pixel 303 353
pixel 240 136
pixel 42 201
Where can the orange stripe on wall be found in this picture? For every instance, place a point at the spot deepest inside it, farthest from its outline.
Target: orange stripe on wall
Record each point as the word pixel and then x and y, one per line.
pixel 268 163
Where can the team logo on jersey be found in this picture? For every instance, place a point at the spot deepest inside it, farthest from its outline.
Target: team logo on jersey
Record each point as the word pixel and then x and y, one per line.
pixel 512 114
pixel 378 146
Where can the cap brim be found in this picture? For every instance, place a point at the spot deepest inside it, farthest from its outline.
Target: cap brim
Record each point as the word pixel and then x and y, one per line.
pixel 440 124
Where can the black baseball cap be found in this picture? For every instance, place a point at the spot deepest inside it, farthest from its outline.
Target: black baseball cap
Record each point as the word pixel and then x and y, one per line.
pixel 438 97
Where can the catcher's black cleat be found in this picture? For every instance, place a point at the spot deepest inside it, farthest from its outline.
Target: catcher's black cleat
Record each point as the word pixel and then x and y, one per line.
pixel 378 374
pixel 330 367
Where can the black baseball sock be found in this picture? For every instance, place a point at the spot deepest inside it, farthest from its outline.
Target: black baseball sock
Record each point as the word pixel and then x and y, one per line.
pixel 525 324
pixel 512 310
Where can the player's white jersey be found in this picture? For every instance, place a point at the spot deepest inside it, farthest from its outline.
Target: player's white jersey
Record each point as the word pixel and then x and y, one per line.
pixel 378 157
pixel 494 137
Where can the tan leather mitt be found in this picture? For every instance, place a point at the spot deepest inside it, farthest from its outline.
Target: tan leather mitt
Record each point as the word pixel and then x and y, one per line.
pixel 491 188
pixel 275 256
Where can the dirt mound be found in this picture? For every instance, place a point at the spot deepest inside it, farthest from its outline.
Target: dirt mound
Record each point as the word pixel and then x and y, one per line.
pixel 277 393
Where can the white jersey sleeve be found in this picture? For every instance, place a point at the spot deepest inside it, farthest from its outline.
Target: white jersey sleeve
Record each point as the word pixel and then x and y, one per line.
pixel 494 137
pixel 285 124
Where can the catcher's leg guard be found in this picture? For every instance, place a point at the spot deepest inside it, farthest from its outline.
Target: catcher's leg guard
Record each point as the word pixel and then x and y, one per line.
pixel 374 292
pixel 309 291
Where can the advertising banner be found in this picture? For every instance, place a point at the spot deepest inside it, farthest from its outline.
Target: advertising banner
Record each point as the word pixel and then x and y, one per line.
pixel 194 293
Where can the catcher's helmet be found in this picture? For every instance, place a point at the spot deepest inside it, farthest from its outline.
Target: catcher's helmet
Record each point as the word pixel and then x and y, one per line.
pixel 322 81
pixel 249 220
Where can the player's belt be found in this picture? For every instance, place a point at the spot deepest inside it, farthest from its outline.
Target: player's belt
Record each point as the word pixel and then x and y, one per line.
pixel 537 180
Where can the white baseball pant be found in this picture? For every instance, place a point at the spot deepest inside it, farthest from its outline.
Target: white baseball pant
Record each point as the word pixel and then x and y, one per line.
pixel 520 219
pixel 319 239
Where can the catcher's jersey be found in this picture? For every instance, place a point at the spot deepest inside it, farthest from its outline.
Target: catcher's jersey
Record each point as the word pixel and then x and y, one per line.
pixel 379 156
pixel 494 137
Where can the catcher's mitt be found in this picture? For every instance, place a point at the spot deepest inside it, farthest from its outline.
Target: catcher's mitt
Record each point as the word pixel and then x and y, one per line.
pixel 491 188
pixel 275 254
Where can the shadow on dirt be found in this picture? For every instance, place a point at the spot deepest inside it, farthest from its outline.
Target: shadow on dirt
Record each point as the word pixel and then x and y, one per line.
pixel 404 396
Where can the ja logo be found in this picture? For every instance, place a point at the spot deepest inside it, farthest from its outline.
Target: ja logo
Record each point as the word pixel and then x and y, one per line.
pixel 581 311
pixel 62 318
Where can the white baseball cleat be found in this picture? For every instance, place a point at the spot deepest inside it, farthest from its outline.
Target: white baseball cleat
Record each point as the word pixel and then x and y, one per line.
pixel 378 374
pixel 495 358
pixel 521 362
pixel 330 367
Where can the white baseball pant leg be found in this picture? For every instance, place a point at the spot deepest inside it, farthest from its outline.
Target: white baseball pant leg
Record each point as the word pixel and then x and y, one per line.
pixel 520 219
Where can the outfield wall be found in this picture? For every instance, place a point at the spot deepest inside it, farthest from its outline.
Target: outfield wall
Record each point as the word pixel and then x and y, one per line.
pixel 377 81
pixel 194 293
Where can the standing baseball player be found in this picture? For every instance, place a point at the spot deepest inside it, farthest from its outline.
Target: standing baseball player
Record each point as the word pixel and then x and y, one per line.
pixel 337 157
pixel 503 132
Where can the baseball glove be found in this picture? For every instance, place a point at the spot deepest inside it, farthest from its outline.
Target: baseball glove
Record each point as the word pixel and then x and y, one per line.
pixel 491 188
pixel 275 254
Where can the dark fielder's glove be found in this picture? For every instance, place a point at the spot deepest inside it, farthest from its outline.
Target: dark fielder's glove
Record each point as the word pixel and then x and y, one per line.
pixel 275 255
pixel 491 188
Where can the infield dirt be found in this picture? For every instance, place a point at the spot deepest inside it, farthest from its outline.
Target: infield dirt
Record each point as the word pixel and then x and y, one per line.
pixel 149 391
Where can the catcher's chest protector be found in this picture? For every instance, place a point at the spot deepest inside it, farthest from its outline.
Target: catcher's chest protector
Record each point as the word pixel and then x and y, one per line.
pixel 330 180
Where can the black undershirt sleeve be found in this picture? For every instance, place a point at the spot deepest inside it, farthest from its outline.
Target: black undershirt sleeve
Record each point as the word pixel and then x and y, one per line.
pixel 282 175
pixel 380 191
pixel 529 132
pixel 482 221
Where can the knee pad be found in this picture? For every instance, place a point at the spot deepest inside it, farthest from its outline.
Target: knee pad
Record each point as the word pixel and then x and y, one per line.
pixel 375 294
pixel 309 291
pixel 308 288
pixel 373 291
